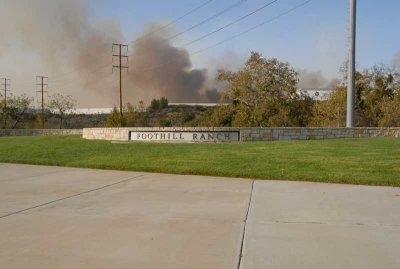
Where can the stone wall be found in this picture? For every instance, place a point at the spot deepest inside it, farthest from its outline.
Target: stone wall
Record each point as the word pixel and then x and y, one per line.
pixel 254 134
pixel 34 132
pixel 246 134
pixel 270 134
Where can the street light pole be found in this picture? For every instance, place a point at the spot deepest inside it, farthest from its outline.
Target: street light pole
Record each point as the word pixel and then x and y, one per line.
pixel 352 65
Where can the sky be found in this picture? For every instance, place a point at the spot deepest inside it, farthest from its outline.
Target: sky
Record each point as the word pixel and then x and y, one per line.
pixel 312 37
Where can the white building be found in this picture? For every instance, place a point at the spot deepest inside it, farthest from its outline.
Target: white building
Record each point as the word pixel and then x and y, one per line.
pixel 193 104
pixel 92 111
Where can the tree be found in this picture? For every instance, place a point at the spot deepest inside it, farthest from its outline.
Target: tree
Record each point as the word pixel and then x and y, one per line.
pixel 114 119
pixel 60 105
pixel 154 105
pixel 163 102
pixel 219 116
pixel 157 104
pixel 264 93
pixel 391 112
pixel 132 116
pixel 375 105
pixel 331 112
pixel 301 110
pixel 375 87
pixel 135 116
pixel 18 108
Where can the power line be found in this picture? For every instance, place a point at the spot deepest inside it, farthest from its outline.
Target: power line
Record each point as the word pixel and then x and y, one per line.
pixel 120 67
pixel 153 32
pixel 236 4
pixel 167 25
pixel 62 79
pixel 192 27
pixel 254 27
pixel 6 82
pixel 69 81
pixel 90 72
pixel 232 37
pixel 85 75
pixel 180 18
pixel 231 23
pixel 42 84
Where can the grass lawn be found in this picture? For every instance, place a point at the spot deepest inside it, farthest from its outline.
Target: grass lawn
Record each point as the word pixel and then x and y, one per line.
pixel 374 161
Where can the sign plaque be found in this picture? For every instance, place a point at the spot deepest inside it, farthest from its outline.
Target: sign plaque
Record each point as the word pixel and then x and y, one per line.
pixel 184 136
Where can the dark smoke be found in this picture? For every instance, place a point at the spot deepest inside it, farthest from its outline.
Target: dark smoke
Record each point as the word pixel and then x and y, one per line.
pixel 160 69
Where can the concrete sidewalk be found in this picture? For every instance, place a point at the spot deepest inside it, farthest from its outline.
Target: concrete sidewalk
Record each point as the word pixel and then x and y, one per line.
pixel 53 217
pixel 315 225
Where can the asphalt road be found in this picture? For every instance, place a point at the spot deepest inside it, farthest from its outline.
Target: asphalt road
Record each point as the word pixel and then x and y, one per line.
pixel 52 217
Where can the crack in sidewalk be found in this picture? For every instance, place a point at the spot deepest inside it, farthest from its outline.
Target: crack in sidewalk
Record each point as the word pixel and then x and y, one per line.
pixel 245 227
pixel 71 196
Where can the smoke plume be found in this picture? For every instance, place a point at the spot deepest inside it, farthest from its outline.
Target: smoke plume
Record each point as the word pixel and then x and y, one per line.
pixel 160 69
pixel 396 60
pixel 60 40
pixel 57 39
pixel 309 79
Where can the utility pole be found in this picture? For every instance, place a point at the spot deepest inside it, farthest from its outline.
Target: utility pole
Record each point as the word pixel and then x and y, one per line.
pixel 352 65
pixel 42 84
pixel 6 82
pixel 120 67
